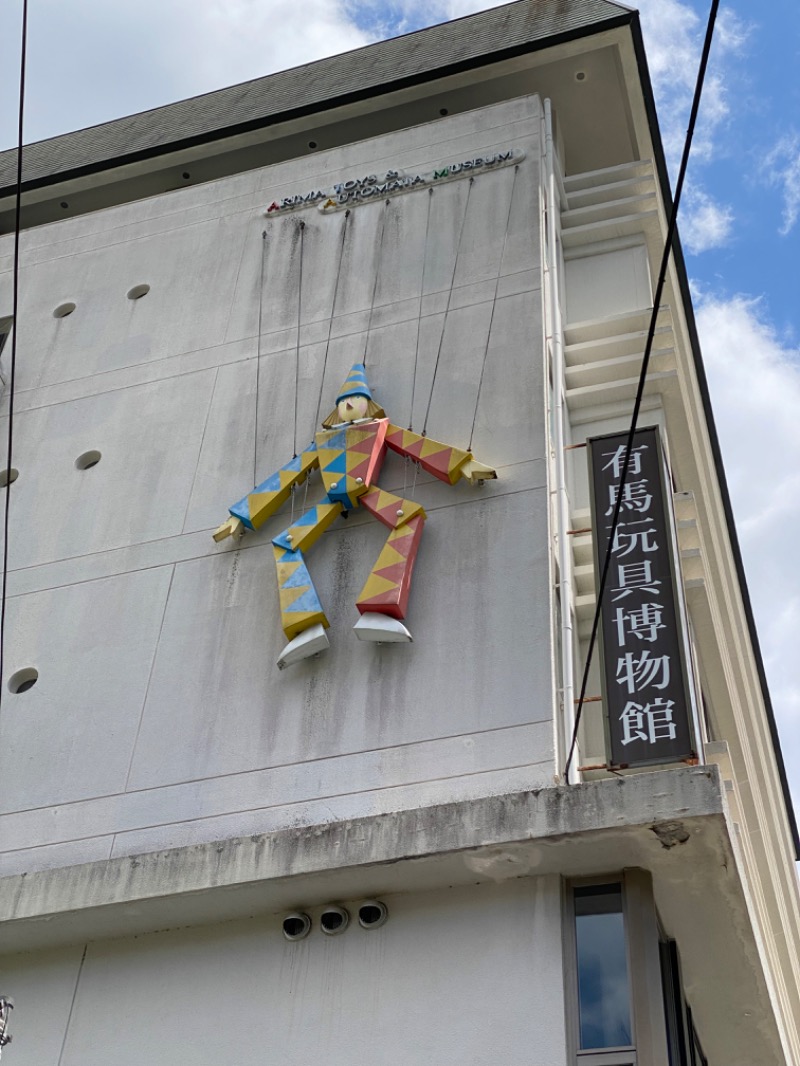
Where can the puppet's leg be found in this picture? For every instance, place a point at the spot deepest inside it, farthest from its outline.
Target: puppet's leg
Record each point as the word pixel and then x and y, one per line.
pixel 383 600
pixel 302 616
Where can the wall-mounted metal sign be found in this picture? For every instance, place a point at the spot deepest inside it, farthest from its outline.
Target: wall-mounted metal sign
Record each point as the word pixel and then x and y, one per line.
pixel 356 191
pixel 646 694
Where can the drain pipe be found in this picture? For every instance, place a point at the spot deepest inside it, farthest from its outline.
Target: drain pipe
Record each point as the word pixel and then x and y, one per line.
pixel 559 419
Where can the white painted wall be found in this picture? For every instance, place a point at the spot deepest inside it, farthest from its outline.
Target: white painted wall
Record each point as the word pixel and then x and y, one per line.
pixel 602 284
pixel 159 716
pixel 459 977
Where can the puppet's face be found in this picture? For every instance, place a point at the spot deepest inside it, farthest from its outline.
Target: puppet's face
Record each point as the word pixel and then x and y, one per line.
pixel 351 408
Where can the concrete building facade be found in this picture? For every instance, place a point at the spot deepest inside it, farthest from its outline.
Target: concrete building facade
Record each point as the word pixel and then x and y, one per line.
pixel 168 797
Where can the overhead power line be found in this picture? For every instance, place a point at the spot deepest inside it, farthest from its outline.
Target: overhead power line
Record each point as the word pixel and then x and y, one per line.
pixel 14 336
pixel 662 276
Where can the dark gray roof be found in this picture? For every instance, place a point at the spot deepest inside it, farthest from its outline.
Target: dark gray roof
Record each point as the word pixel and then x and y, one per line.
pixel 467 42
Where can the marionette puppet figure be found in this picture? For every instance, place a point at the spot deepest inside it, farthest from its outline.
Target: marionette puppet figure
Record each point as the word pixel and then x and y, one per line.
pixel 349 451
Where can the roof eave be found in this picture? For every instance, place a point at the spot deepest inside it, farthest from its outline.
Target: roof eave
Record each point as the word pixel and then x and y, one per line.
pixel 625 17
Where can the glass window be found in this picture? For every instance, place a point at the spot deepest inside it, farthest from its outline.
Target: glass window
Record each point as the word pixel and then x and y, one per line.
pixel 603 981
pixel 673 1003
pixel 698 1058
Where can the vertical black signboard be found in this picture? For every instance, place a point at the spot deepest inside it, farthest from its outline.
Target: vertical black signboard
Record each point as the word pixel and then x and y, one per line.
pixel 644 671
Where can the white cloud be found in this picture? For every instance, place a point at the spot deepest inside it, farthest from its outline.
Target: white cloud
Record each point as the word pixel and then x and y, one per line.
pixel 704 224
pixel 754 380
pixel 402 16
pixel 673 36
pixel 90 61
pixel 782 170
pixel 235 40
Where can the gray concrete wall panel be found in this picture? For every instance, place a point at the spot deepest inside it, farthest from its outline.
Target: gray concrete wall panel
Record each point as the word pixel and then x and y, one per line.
pixel 149 438
pixel 44 988
pixel 407 992
pixel 261 801
pixel 214 706
pixel 608 283
pixel 73 734
pixel 159 716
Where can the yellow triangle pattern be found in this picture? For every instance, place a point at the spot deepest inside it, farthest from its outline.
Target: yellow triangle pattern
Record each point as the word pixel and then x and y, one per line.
pixel 304 536
pixel 404 439
pixel 390 555
pixel 387 504
pixel 327 455
pixel 298 621
pixel 293 622
pixel 264 504
pixel 375 586
pixel 285 570
pixel 288 596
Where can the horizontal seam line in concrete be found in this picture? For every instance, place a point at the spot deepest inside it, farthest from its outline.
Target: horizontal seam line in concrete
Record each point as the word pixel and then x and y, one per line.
pixel 210 219
pixel 262 542
pixel 274 354
pixel 275 806
pixel 361 791
pixel 521 833
pixel 458 287
pixel 256 193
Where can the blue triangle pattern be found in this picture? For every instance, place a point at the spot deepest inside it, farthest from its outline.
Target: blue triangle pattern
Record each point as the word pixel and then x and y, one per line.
pixel 338 440
pixel 338 465
pixel 309 601
pixel 308 519
pixel 241 510
pixel 272 484
pixel 299 578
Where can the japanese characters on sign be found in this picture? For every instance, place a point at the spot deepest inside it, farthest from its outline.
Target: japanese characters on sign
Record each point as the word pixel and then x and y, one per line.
pixel 644 674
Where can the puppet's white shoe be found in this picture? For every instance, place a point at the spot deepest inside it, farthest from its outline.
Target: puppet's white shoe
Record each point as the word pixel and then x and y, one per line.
pixel 381 628
pixel 310 642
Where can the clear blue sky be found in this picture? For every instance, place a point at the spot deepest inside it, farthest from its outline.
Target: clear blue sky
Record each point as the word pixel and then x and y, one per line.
pixel 93 60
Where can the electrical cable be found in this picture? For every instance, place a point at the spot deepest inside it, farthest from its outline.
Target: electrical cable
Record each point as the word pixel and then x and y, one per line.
pixel 447 306
pixel 14 334
pixel 494 305
pixel 419 316
pixel 302 227
pixel 333 312
pixel 662 277
pixel 378 265
pixel 258 353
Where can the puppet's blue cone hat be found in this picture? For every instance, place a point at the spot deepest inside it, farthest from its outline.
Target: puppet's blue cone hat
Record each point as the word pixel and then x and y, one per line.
pixel 355 384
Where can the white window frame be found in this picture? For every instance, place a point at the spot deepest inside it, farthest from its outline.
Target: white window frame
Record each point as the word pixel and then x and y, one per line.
pixel 644 970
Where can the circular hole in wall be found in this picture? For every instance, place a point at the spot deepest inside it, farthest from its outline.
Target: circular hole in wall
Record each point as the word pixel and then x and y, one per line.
pixel 64 309
pixel 138 291
pixel 334 920
pixel 312 144
pixel 372 914
pixel 296 926
pixel 186 175
pixel 64 204
pixel 23 679
pixel 7 477
pixel 88 459
pixel 580 75
pixel 443 111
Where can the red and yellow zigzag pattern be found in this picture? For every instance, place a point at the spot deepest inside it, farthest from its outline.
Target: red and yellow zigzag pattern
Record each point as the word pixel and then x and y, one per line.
pixel 441 460
pixel 388 585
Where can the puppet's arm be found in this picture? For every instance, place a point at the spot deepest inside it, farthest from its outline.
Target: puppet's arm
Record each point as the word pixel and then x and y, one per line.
pixel 441 460
pixel 265 499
